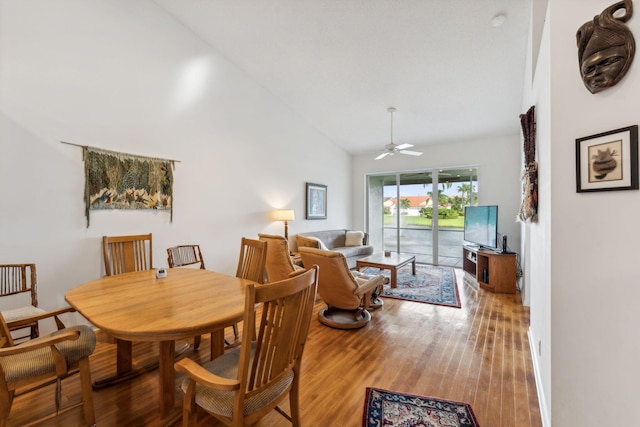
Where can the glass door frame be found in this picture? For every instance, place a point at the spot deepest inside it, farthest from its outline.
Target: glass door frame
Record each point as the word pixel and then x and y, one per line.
pixel 377 236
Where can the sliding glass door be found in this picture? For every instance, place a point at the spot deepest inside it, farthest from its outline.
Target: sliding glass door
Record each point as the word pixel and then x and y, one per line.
pixel 457 188
pixel 421 212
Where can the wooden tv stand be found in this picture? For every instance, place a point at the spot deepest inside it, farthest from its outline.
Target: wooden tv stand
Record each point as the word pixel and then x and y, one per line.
pixel 495 272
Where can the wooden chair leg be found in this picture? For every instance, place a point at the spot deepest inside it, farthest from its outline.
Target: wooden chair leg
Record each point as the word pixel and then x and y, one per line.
pixel 236 338
pixel 189 408
pixel 294 409
pixel 59 323
pixel 87 392
pixel 6 398
pixel 196 342
pixel 34 331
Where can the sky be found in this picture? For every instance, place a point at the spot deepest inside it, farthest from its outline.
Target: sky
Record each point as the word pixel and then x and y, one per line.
pixel 419 190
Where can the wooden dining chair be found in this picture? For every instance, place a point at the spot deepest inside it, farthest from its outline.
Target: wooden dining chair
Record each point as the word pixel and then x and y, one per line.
pixel 19 291
pixel 251 266
pixel 124 254
pixel 44 360
pixel 184 255
pixel 244 384
pixel 18 287
pixel 252 260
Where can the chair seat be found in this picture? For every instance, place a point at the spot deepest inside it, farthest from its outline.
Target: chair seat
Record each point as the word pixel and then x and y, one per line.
pixel 21 313
pixel 221 402
pixel 40 361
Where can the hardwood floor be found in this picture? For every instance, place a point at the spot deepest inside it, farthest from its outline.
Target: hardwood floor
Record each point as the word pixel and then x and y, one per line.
pixel 477 354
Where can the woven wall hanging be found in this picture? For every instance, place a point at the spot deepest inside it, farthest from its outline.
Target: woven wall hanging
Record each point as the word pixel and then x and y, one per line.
pixel 116 180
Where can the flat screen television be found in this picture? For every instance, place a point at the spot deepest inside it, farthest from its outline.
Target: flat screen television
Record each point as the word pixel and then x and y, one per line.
pixel 481 226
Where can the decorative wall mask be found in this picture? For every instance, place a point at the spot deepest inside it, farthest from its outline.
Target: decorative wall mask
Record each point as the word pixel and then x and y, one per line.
pixel 606 47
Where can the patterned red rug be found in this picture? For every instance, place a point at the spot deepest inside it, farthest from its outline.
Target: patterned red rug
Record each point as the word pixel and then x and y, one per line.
pixel 384 408
pixel 431 285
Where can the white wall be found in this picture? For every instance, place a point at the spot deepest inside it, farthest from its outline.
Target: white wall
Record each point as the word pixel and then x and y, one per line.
pixel 585 248
pixel 594 243
pixel 498 162
pixel 125 76
pixel 537 256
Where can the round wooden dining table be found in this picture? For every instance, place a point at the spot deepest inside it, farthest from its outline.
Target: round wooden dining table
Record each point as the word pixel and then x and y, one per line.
pixel 139 306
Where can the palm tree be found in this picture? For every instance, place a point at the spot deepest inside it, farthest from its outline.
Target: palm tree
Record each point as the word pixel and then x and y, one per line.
pixel 465 190
pixel 443 199
pixel 446 185
pixel 405 204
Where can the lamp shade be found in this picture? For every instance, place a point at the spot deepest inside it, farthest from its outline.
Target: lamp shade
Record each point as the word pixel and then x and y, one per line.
pixel 283 215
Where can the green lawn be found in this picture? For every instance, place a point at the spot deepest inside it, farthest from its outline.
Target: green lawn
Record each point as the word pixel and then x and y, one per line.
pixel 419 221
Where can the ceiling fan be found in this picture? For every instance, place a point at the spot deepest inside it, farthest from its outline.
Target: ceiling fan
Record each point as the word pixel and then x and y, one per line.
pixel 392 148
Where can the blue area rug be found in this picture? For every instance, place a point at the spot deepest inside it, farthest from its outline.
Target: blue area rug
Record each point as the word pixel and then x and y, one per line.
pixel 384 408
pixel 430 285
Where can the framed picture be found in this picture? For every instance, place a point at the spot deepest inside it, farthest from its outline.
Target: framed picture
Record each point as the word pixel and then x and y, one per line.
pixel 316 201
pixel 608 161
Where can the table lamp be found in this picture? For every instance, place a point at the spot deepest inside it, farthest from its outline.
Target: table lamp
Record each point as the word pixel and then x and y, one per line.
pixel 284 215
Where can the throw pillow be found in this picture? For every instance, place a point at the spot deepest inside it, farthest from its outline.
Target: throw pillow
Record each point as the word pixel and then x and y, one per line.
pixel 311 242
pixel 354 238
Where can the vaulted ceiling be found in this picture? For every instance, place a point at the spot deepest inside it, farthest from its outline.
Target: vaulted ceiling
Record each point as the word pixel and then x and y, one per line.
pixel 450 72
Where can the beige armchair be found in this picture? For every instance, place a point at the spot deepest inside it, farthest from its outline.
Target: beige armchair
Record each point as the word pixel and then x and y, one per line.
pixel 347 294
pixel 279 265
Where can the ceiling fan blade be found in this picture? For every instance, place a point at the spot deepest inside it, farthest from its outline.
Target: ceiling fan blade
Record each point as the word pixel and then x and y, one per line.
pixel 411 153
pixel 403 146
pixel 381 155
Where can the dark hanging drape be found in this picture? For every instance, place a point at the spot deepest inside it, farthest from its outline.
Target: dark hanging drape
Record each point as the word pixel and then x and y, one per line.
pixel 529 207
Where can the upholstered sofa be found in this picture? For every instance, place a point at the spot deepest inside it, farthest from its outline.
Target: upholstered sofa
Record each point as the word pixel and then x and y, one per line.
pixel 353 244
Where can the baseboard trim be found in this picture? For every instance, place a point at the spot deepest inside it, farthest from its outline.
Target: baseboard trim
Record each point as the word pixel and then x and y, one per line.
pixel 544 411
